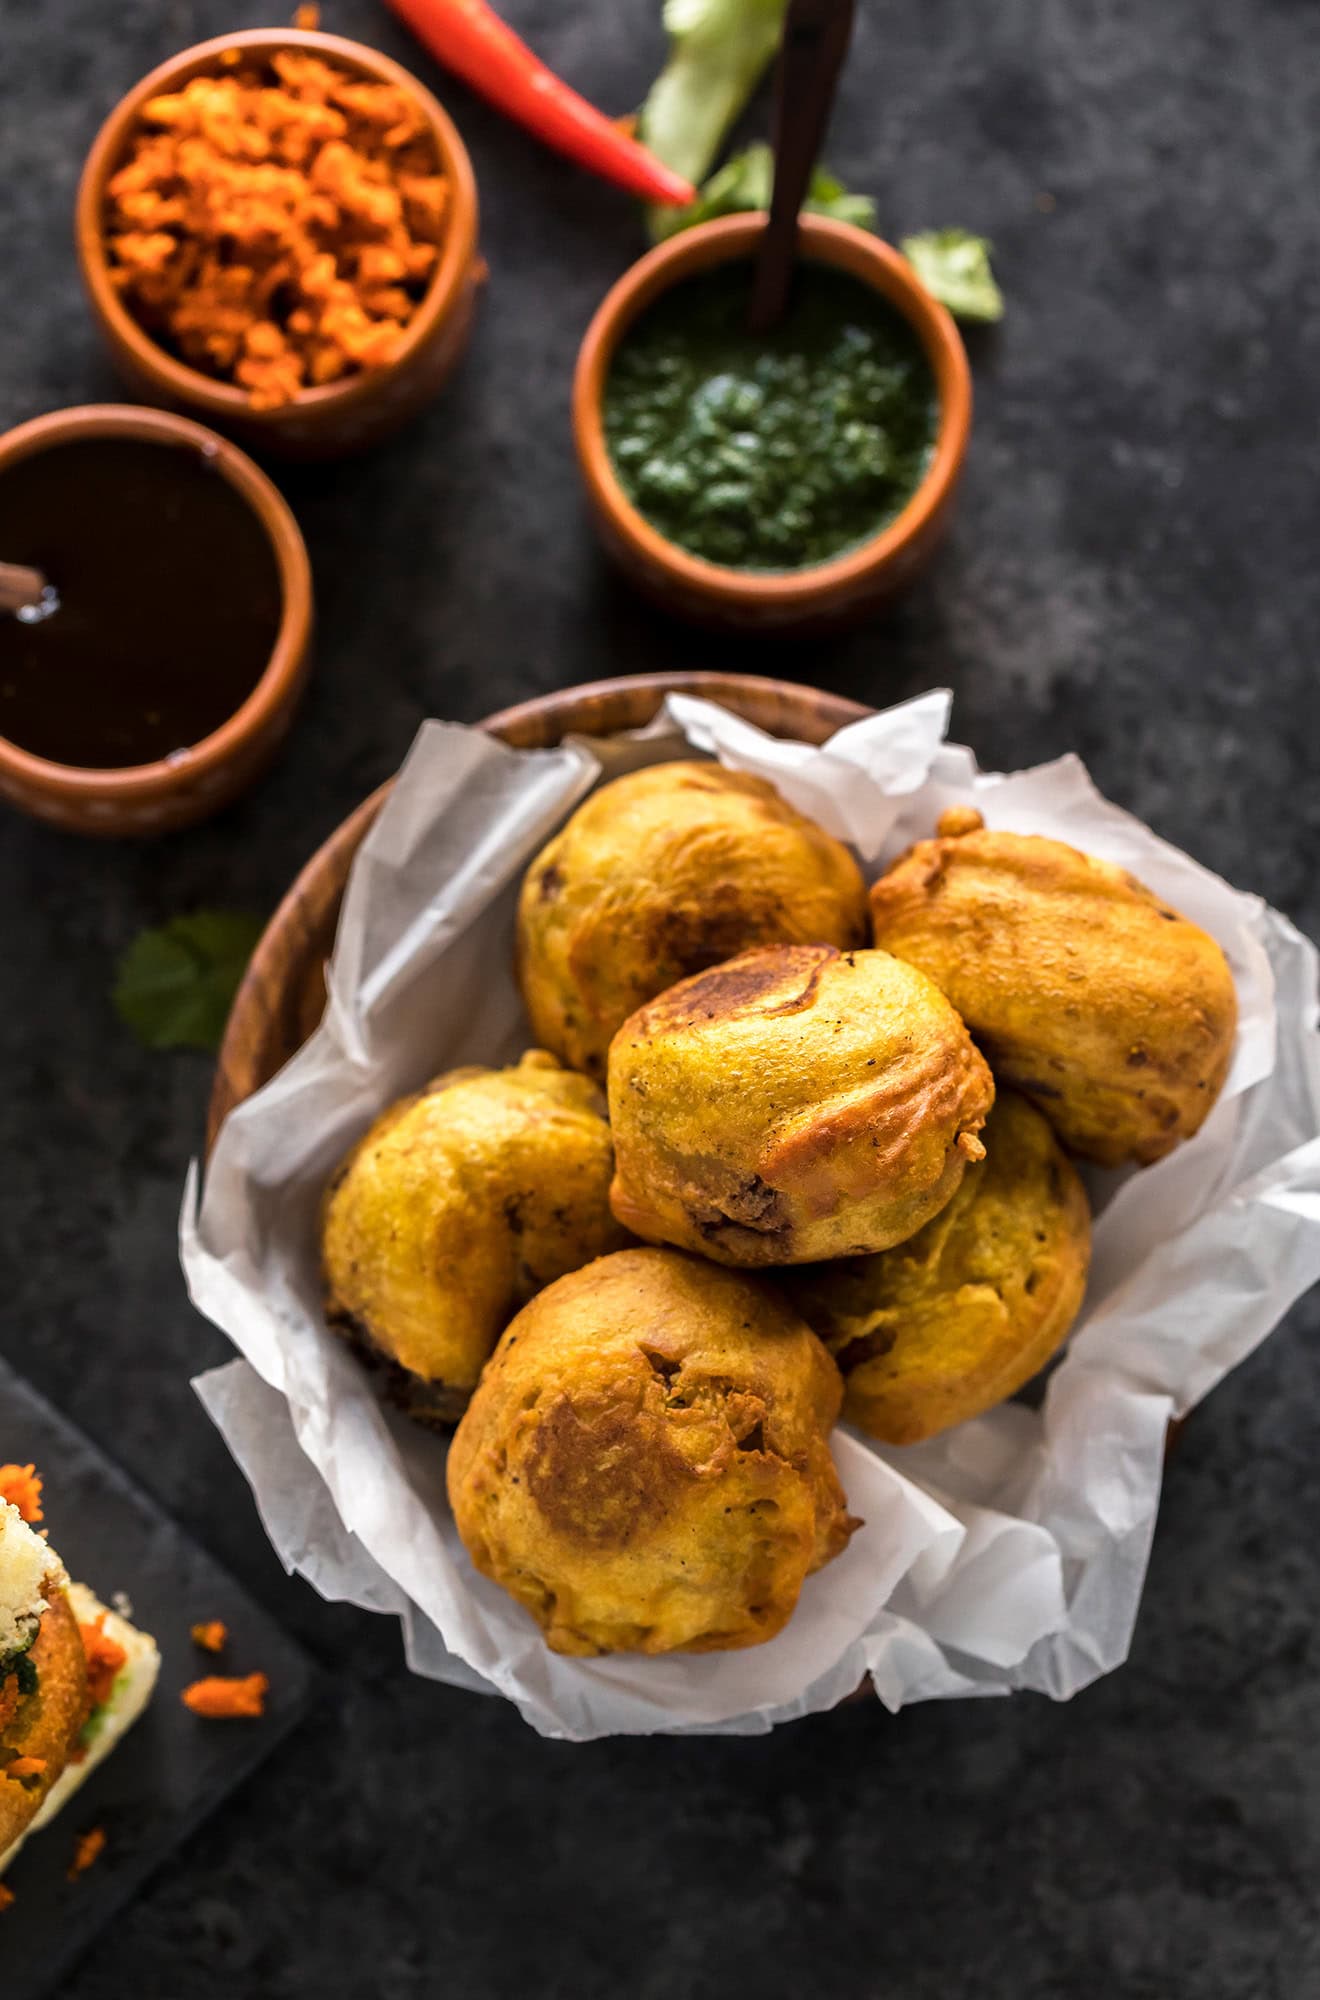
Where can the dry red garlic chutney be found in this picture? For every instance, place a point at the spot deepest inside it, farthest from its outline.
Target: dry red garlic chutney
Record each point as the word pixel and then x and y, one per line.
pixel 277 225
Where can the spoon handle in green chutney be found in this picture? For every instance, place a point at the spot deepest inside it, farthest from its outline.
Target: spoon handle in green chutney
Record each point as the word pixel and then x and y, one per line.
pixel 811 52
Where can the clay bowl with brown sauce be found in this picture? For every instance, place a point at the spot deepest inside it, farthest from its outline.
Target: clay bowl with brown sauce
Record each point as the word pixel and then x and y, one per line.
pixel 206 772
pixel 283 992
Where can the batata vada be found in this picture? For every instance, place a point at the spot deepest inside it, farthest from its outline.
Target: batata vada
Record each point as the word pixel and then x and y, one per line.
pixel 1109 1010
pixel 794 1104
pixel 971 1307
pixel 645 1465
pixel 658 875
pixel 455 1208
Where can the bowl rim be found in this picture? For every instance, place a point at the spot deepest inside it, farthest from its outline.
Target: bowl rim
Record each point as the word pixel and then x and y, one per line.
pixel 225 402
pixel 241 1067
pixel 135 783
pixel 729 239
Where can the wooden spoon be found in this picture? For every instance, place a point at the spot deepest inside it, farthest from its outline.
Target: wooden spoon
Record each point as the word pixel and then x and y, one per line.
pixel 21 588
pixel 811 51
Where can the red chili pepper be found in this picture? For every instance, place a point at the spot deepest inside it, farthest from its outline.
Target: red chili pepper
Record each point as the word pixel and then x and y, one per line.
pixel 471 39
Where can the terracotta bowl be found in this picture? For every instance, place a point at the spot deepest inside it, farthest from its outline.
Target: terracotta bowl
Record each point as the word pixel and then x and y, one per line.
pixel 173 792
pixel 283 993
pixel 342 416
pixel 826 595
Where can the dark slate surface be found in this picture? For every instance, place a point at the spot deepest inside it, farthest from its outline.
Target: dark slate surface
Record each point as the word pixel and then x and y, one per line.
pixel 1133 575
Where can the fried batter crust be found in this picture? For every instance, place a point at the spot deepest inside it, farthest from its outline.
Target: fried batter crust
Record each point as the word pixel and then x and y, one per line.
pixel 660 874
pixel 455 1208
pixel 1108 1009
pixel 645 1466
pixel 796 1103
pixel 969 1309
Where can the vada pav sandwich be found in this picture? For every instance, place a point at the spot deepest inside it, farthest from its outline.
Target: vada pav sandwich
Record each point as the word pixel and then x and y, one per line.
pixel 74 1676
pixel 456 1207
pixel 659 875
pixel 795 1104
pixel 965 1312
pixel 1109 1010
pixel 646 1466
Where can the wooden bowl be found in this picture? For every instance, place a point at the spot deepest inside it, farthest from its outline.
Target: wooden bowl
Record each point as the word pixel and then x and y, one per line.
pixel 339 417
pixel 282 995
pixel 825 595
pixel 179 790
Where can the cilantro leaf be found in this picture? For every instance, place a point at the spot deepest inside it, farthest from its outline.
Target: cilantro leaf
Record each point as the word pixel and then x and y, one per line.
pixel 718 51
pixel 826 195
pixel 175 985
pixel 951 263
pixel 955 266
pixel 745 182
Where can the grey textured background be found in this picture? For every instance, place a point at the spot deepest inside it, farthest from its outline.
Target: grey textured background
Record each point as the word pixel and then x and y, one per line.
pixel 1133 575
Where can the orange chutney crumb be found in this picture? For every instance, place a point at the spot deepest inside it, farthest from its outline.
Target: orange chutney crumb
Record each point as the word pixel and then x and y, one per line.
pixel 212 1636
pixel 6 1897
pixel 25 1767
pixel 20 1485
pixel 105 1656
pixel 221 1699
pixel 277 225
pixel 307 17
pixel 88 1848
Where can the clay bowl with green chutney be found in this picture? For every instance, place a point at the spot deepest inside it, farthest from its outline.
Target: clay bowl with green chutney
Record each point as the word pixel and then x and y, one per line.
pixel 786 482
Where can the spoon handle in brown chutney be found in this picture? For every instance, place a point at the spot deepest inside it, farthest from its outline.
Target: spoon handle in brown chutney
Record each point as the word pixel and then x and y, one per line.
pixel 20 586
pixel 811 51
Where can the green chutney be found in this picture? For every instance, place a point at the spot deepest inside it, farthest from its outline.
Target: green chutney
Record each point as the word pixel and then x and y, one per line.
pixel 770 451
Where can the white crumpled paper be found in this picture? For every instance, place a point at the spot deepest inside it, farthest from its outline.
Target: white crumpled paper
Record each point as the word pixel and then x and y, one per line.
pixel 1008 1553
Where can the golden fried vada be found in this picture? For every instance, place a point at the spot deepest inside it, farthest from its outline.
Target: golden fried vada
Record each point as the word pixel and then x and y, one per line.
pixel 795 1104
pixel 971 1307
pixel 1109 1010
pixel 645 1465
pixel 660 874
pixel 455 1208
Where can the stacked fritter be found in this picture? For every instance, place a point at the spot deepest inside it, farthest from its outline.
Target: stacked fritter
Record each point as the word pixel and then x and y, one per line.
pixel 642 1455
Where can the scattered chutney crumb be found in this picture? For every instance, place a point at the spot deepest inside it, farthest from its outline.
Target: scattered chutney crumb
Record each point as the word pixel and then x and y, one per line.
pixel 20 1485
pixel 6 1897
pixel 212 1636
pixel 25 1767
pixel 307 18
pixel 105 1656
pixel 87 1850
pixel 220 1698
pixel 277 224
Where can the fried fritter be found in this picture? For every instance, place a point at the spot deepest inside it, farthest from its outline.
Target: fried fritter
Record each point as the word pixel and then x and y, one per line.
pixel 796 1103
pixel 455 1208
pixel 645 1466
pixel 960 1316
pixel 657 876
pixel 1087 993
